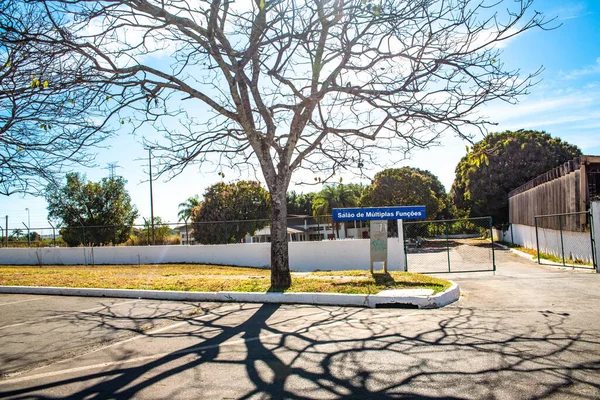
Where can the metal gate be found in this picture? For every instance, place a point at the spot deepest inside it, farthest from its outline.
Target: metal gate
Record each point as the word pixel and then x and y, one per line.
pixel 453 245
pixel 565 240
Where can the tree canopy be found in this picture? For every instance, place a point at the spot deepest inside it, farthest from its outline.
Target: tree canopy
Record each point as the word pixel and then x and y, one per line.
pixel 48 101
pixel 300 204
pixel 281 85
pixel 407 187
pixel 162 232
pixel 186 208
pixel 336 196
pixel 502 162
pixel 92 213
pixel 230 211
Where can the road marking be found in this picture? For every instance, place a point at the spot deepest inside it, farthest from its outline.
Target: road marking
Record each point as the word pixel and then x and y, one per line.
pixel 146 335
pixel 167 354
pixel 97 308
pixel 132 360
pixel 155 331
pixel 23 301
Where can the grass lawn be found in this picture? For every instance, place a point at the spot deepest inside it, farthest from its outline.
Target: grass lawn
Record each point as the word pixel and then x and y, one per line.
pixel 211 278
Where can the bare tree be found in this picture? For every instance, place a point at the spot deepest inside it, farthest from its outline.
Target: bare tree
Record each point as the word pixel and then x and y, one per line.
pixel 48 96
pixel 322 85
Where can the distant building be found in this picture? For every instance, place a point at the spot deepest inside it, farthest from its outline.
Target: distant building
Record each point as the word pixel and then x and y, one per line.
pixel 185 237
pixel 303 228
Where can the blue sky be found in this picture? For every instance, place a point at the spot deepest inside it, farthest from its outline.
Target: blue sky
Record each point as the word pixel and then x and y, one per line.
pixel 565 104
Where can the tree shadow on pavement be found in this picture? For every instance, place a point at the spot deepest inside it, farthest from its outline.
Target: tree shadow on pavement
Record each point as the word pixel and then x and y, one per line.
pixel 329 352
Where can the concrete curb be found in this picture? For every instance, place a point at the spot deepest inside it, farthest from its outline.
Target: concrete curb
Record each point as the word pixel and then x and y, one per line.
pixel 547 263
pixel 517 252
pixel 330 299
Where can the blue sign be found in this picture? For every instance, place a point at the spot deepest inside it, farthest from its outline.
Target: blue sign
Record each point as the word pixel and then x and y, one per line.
pixel 378 213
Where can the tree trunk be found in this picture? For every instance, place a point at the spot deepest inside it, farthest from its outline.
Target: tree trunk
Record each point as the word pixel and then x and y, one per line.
pixel 280 264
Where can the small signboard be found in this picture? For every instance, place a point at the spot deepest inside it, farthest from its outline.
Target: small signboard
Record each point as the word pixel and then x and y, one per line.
pixel 379 242
pixel 378 213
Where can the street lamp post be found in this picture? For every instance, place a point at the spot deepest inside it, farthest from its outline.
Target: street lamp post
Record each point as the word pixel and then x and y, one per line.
pixel 151 200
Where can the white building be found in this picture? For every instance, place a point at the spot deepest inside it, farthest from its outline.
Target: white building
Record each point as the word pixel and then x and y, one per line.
pixel 304 228
pixel 301 228
pixel 185 236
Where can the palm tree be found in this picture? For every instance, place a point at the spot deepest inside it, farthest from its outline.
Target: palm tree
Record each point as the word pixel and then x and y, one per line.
pixel 334 196
pixel 319 208
pixel 186 208
pixel 17 233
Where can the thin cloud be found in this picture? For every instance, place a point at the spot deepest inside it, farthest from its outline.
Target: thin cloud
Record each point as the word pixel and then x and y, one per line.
pixel 537 106
pixel 590 70
pixel 570 11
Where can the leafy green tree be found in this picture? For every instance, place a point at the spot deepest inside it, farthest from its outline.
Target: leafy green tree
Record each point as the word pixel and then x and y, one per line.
pixel 336 196
pixel 300 204
pixel 92 213
pixel 502 162
pixel 407 186
pixel 230 211
pixel 34 236
pixel 17 233
pixel 162 231
pixel 186 208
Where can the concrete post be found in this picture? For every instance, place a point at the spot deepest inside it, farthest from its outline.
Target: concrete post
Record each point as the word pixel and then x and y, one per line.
pixel 401 240
pixel 595 210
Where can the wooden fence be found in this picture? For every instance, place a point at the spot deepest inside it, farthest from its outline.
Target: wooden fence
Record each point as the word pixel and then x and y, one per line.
pixel 561 190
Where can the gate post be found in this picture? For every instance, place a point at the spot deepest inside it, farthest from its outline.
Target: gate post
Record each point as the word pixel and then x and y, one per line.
pixel 402 245
pixel 537 239
pixel 562 243
pixel 404 227
pixel 512 235
pixel 492 236
pixel 447 246
pixel 595 228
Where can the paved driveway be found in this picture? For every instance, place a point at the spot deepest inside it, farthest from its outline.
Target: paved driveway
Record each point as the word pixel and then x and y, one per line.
pixel 464 255
pixel 528 332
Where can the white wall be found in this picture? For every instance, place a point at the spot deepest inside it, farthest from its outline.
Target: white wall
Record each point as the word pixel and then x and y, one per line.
pixel 576 244
pixel 500 235
pixel 595 210
pixel 304 256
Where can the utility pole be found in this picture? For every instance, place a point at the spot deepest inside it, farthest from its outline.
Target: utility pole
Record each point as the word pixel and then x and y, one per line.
pixel 6 231
pixel 111 167
pixel 151 199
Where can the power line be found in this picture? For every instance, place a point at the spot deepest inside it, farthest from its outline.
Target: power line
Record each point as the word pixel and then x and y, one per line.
pixel 112 167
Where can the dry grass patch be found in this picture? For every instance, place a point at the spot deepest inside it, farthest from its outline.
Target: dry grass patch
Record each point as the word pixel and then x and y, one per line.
pixel 550 257
pixel 211 278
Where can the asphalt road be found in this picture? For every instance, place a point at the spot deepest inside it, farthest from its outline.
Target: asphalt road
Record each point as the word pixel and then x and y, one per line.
pixel 527 332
